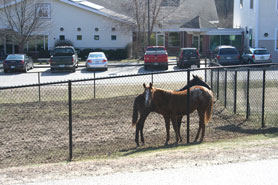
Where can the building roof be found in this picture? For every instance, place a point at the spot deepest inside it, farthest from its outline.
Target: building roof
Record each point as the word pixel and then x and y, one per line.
pixel 99 9
pixel 198 22
pixel 173 13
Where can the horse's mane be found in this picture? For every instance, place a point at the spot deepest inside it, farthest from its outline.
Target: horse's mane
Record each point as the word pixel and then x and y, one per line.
pixel 198 78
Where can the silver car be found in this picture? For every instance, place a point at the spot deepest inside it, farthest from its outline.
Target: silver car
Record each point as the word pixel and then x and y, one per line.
pixel 96 60
pixel 256 56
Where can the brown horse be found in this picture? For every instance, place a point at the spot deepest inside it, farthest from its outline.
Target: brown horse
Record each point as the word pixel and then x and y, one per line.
pixel 139 107
pixel 172 104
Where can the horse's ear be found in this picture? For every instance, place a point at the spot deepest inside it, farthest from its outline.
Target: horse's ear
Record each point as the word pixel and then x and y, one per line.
pixel 151 85
pixel 144 85
pixel 194 76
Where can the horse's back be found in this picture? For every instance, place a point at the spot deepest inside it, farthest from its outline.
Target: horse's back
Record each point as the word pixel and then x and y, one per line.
pixel 175 102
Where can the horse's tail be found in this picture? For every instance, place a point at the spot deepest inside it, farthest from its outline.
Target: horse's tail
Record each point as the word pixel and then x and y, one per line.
pixel 135 111
pixel 208 114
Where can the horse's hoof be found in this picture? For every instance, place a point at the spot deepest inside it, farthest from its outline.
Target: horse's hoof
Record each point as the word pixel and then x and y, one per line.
pixel 143 144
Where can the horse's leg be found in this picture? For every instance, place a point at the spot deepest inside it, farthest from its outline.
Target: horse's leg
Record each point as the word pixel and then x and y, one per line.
pixel 140 127
pixel 136 135
pixel 179 119
pixel 203 131
pixel 174 122
pixel 167 125
pixel 201 124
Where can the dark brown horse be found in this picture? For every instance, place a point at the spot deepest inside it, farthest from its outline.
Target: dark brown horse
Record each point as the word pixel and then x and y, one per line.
pixel 173 104
pixel 139 107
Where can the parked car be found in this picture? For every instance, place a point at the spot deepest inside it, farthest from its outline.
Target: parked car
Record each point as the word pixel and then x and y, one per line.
pixel 96 60
pixel 188 57
pixel 64 57
pixel 226 55
pixel 256 56
pixel 156 56
pixel 20 62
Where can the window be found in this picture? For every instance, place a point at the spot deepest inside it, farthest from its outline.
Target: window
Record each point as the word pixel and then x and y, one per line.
pixel 61 29
pixel 62 37
pixel 43 10
pixel 79 37
pixel 174 3
pixel 113 37
pixel 251 4
pixel 241 3
pixel 96 37
pixel 78 29
pixel 214 41
pixel 174 39
pixel 37 43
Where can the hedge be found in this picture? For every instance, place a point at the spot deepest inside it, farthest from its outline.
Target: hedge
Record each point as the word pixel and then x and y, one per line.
pixel 111 54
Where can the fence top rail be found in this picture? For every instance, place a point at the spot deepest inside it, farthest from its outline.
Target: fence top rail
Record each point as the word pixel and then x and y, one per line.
pixel 234 67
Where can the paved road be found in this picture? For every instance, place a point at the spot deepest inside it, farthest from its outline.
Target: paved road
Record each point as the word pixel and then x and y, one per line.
pixel 44 75
pixel 245 173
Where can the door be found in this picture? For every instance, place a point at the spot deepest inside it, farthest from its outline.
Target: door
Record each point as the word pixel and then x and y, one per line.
pixel 160 39
pixel 196 41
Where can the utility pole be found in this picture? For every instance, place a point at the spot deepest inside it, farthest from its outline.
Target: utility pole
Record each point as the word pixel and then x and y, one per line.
pixel 149 24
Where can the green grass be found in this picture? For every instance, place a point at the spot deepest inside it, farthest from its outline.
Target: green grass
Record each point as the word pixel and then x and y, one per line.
pixel 220 145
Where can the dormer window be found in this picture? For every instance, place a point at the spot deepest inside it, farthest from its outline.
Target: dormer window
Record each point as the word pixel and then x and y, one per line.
pixel 174 3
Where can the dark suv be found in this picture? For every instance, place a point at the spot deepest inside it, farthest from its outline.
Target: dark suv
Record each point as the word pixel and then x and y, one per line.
pixel 225 55
pixel 188 57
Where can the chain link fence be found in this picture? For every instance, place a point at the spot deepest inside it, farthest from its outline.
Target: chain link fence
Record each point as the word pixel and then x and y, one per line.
pixel 91 118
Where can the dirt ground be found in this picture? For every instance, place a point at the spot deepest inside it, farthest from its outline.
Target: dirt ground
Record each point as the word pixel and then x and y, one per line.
pixel 252 148
pixel 36 133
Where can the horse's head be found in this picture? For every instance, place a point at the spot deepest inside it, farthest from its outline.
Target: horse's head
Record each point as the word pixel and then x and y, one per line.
pixel 148 94
pixel 197 80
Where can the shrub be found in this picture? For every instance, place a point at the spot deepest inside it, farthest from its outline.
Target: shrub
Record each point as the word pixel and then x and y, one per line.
pixel 44 54
pixel 63 43
pixel 111 54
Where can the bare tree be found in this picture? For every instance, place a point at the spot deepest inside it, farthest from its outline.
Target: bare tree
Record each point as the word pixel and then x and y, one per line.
pixel 138 10
pixel 23 18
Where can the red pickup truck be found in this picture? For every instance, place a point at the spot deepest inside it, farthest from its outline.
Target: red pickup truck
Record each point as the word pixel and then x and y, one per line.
pixel 156 56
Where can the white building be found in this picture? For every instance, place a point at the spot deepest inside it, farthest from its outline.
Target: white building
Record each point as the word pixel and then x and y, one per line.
pixel 85 24
pixel 260 20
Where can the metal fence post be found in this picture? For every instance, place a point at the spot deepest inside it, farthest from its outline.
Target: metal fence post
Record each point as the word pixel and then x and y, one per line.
pixel 225 90
pixel 211 79
pixel 263 100
pixel 39 82
pixel 152 76
pixel 94 84
pixel 235 92
pixel 217 85
pixel 247 95
pixel 70 120
pixel 205 69
pixel 188 107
